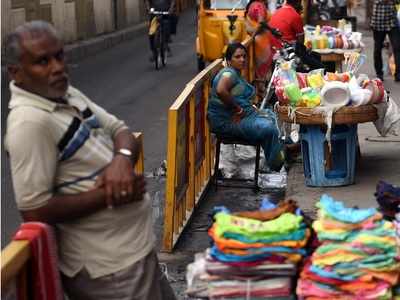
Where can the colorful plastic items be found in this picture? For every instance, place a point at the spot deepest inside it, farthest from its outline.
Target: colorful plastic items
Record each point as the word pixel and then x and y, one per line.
pixel 293 92
pixel 315 79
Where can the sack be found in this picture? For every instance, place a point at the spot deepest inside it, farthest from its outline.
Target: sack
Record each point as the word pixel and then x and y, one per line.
pixel 173 21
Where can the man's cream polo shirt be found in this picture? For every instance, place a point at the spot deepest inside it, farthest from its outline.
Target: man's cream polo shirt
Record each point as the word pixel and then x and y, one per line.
pixel 60 149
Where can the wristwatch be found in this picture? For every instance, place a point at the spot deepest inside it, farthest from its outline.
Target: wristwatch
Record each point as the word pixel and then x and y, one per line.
pixel 125 152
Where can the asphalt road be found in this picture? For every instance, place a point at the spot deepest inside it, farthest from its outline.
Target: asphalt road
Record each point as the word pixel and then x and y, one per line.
pixel 124 82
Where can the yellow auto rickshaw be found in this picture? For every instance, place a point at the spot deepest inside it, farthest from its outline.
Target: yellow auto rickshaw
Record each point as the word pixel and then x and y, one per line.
pixel 219 22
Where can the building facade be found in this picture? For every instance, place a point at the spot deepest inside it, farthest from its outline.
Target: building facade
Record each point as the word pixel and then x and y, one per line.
pixel 75 19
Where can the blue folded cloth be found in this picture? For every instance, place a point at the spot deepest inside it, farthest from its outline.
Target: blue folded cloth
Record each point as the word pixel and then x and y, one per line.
pixel 218 255
pixel 328 274
pixel 338 211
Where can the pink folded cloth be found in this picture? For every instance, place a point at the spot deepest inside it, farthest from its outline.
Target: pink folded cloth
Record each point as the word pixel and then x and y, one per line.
pixel 46 283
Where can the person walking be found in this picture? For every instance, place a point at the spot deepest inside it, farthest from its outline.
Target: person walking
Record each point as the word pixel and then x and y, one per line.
pixel 384 22
pixel 72 168
pixel 256 15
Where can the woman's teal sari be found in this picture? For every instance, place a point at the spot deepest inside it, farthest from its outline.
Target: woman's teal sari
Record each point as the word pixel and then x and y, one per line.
pixel 255 126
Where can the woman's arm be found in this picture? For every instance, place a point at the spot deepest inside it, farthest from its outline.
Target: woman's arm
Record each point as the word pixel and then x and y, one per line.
pixel 224 87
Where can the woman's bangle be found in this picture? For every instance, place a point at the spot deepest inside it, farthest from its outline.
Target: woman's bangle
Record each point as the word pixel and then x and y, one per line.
pixel 239 112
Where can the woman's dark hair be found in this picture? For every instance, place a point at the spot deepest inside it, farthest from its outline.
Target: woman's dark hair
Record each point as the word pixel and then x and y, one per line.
pixel 232 49
pixel 297 5
pixel 247 7
pixel 249 3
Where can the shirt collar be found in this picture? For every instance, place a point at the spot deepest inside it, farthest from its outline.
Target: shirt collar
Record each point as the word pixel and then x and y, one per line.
pixel 21 97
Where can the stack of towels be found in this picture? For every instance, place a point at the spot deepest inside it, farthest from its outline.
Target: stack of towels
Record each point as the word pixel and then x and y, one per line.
pixel 255 253
pixel 396 288
pixel 358 256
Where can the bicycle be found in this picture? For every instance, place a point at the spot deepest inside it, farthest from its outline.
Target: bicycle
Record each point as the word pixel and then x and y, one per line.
pixel 160 43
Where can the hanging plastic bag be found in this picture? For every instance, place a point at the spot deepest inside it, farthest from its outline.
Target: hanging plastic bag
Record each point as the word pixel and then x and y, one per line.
pixel 358 95
pixel 315 78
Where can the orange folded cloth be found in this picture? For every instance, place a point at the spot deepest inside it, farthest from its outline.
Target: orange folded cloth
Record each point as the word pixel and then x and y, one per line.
pixel 390 277
pixel 287 206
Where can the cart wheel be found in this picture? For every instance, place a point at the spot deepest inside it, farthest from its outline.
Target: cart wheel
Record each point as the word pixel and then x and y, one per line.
pixel 201 64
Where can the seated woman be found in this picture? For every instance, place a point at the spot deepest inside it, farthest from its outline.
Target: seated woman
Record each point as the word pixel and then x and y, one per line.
pixel 231 113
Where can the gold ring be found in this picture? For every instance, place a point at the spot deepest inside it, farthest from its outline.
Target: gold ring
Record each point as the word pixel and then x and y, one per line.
pixel 124 193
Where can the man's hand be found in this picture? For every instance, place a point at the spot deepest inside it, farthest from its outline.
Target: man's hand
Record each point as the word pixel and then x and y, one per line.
pixel 139 188
pixel 120 182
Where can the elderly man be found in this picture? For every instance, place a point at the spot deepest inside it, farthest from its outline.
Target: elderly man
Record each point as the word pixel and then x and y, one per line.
pixel 72 167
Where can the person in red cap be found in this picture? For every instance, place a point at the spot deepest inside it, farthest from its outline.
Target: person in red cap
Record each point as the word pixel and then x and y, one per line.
pixel 288 21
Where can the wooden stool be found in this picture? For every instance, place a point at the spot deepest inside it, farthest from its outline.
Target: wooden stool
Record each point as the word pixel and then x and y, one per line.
pixel 231 141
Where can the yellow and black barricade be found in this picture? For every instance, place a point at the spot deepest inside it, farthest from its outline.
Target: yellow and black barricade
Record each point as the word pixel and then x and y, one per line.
pixel 190 152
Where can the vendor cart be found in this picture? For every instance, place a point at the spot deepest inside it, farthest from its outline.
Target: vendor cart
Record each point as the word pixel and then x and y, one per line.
pixel 338 155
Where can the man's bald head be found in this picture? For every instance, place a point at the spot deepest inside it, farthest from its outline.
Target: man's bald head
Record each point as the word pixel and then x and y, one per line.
pixel 30 30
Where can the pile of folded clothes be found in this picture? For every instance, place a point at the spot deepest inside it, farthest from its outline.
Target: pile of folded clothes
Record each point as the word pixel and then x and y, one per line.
pixel 357 258
pixel 396 288
pixel 254 253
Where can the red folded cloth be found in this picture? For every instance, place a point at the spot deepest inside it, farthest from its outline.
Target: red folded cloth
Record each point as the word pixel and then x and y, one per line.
pixel 46 281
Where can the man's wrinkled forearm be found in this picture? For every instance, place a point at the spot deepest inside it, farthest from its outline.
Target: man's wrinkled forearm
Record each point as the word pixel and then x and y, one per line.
pixel 67 208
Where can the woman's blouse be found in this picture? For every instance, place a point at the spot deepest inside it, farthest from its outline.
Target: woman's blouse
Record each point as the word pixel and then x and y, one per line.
pixel 241 91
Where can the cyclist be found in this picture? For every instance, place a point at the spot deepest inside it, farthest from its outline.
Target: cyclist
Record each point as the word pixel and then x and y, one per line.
pixel 160 5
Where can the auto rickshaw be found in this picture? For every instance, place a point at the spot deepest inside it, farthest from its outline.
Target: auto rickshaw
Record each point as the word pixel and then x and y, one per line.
pixel 219 23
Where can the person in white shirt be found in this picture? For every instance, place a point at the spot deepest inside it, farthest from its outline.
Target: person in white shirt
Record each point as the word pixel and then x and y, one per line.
pixel 72 167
